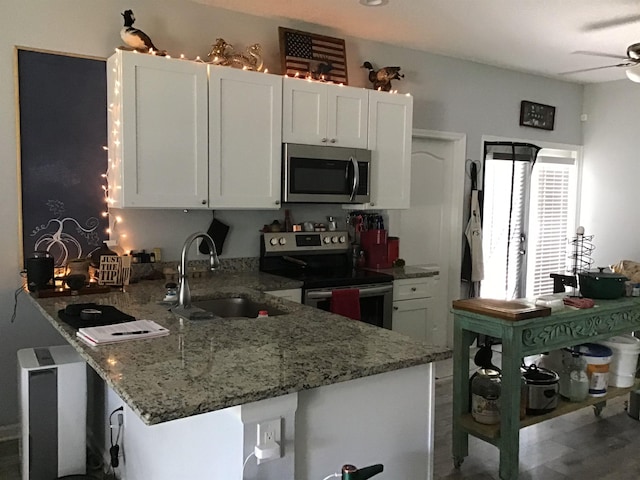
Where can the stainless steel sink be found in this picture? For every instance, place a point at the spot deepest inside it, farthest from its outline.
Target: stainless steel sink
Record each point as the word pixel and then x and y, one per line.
pixel 236 307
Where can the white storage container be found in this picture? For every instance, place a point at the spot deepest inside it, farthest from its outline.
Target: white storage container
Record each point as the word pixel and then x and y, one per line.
pixel 624 361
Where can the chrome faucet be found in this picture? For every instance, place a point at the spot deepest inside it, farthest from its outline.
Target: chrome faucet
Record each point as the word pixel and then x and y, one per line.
pixel 184 298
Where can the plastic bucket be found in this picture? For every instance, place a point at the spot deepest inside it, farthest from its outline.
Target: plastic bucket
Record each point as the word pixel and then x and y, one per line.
pixel 622 370
pixel 598 358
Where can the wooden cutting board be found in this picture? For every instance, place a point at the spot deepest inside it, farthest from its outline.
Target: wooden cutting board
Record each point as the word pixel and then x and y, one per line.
pixel 505 309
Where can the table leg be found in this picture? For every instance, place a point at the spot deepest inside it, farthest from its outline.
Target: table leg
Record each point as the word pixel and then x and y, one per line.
pixel 462 339
pixel 509 442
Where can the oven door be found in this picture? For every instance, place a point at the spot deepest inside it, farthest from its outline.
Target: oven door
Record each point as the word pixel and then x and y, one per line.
pixel 317 174
pixel 375 302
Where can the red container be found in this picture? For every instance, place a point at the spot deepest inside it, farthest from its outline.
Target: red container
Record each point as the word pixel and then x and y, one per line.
pixel 393 249
pixel 374 244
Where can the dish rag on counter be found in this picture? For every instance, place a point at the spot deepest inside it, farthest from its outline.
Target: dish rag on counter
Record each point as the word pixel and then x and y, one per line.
pixel 346 302
pixel 579 302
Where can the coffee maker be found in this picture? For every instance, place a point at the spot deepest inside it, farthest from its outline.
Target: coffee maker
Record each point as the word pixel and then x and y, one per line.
pixel 39 271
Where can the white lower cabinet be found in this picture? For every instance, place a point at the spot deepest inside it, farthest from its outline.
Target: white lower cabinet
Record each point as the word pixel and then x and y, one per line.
pixel 292 294
pixel 413 309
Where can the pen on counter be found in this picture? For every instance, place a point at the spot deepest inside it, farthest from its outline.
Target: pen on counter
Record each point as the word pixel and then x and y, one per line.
pixel 137 332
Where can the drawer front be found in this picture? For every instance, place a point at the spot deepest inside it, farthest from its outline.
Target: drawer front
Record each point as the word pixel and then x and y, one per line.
pixel 409 305
pixel 410 288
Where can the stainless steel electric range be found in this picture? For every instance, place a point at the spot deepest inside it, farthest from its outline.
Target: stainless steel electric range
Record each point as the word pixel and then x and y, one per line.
pixel 322 262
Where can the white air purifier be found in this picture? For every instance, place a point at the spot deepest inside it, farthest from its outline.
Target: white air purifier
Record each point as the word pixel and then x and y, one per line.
pixel 53 409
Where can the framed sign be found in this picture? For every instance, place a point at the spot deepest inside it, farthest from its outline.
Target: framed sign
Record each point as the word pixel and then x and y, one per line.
pixel 537 115
pixel 313 56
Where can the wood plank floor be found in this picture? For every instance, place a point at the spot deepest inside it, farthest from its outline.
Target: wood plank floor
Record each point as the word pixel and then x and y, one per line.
pixel 578 445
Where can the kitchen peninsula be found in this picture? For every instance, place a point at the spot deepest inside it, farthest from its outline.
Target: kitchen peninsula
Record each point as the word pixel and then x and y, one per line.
pixel 345 391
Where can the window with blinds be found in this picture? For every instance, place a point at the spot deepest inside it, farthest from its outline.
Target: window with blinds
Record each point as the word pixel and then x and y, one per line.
pixel 552 212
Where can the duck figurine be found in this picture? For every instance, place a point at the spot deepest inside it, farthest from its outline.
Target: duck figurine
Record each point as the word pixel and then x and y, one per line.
pixel 381 79
pixel 135 38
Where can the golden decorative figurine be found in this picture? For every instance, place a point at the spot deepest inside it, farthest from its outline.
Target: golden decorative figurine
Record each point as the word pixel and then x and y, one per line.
pixel 222 53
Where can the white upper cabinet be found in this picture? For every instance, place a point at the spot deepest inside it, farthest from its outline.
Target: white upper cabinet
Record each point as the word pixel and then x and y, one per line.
pixel 245 118
pixel 390 130
pixel 158 131
pixel 317 113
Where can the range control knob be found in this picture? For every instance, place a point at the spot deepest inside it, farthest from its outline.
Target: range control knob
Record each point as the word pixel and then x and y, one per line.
pixel 326 240
pixel 334 239
pixel 282 241
pixel 342 239
pixel 273 241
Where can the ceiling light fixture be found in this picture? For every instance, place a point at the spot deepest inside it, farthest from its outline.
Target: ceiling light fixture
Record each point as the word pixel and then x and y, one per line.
pixel 633 73
pixel 373 3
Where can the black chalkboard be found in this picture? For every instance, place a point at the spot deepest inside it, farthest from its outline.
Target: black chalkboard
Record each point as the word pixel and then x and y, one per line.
pixel 63 129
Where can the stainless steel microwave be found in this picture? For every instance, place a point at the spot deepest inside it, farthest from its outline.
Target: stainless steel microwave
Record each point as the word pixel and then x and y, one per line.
pixel 325 174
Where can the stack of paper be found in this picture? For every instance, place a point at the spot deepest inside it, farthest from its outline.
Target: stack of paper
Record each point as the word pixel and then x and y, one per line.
pixel 121 332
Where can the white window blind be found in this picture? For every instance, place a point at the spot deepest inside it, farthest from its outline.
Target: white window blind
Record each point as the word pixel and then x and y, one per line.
pixel 551 221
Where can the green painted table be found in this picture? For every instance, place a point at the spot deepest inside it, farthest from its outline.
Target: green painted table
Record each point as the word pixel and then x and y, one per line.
pixel 522 338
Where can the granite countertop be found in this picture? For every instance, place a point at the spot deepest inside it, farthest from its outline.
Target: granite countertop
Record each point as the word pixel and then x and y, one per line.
pixel 208 365
pixel 410 271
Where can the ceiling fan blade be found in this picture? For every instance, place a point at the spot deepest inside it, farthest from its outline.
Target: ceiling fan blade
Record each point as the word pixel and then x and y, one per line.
pixel 599 54
pixel 626 64
pixel 614 22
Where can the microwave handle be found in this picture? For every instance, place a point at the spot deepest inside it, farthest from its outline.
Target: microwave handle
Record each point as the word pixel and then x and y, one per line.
pixel 356 178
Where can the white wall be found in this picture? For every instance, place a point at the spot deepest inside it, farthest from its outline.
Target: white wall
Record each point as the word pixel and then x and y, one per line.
pixel 449 94
pixel 611 171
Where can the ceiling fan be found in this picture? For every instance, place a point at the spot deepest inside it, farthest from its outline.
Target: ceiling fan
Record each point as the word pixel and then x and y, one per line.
pixel 631 60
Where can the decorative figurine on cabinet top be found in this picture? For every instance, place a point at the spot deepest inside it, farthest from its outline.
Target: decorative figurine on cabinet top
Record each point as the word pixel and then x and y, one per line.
pixel 222 53
pixel 381 79
pixel 135 38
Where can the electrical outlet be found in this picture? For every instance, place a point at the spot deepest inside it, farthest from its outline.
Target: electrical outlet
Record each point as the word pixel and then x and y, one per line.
pixel 268 432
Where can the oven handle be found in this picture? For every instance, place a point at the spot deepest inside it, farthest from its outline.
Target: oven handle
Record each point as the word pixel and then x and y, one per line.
pixel 356 178
pixel 366 291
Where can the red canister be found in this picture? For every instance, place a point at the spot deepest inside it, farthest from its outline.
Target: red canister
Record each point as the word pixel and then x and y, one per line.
pixel 393 249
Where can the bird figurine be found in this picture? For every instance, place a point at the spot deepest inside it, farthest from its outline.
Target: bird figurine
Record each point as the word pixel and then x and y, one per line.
pixel 135 38
pixel 381 79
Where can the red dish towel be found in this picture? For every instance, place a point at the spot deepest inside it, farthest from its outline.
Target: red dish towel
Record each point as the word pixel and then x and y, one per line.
pixel 346 302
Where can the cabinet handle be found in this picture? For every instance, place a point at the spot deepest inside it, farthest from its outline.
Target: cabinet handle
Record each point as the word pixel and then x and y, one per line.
pixel 413 289
pixel 324 140
pixel 277 202
pixel 395 308
pixel 204 202
pixel 372 204
pixel 333 140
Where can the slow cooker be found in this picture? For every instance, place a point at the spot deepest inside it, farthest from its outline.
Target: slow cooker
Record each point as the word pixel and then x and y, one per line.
pixel 541 389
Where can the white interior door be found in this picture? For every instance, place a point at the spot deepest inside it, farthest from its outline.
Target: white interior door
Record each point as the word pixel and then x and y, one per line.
pixel 430 230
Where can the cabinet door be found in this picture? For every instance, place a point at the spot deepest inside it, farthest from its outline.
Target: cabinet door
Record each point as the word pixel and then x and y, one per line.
pixel 412 318
pixel 347 112
pixel 390 129
pixel 304 112
pixel 159 131
pixel 245 139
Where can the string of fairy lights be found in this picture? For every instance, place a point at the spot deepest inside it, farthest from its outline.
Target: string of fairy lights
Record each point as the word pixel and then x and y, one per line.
pixel 110 181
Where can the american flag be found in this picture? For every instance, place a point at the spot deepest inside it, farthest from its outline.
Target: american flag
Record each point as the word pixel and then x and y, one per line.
pixel 324 58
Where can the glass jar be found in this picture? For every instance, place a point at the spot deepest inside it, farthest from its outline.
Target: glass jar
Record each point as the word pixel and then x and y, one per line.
pixel 485 396
pixel 574 381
